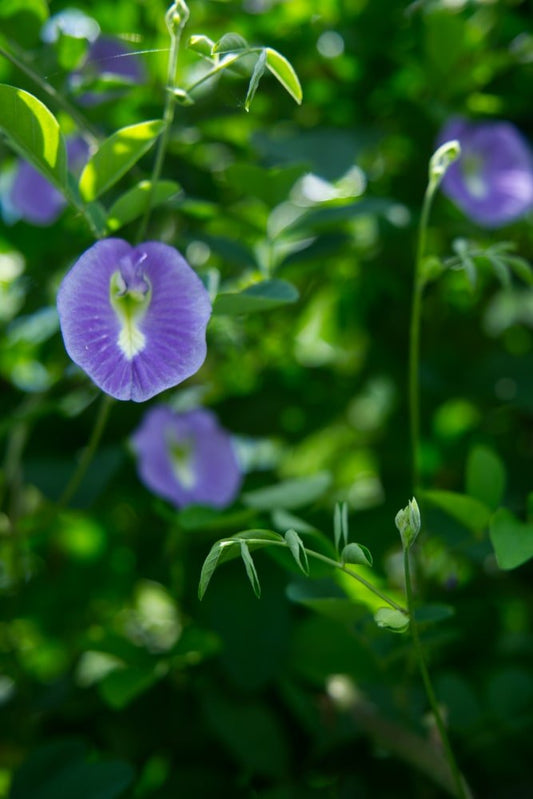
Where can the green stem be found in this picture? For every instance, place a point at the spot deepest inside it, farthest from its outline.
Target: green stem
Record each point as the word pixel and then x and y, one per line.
pixel 414 338
pixel 226 62
pixel 176 19
pixel 335 564
pixel 461 790
pixel 88 454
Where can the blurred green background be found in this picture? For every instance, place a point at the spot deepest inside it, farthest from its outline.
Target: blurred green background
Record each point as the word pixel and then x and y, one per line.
pixel 114 679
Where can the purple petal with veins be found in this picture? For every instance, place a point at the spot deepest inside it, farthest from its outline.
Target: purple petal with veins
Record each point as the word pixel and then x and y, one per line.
pixel 187 458
pixel 134 318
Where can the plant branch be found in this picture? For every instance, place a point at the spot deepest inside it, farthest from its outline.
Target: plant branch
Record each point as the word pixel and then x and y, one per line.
pixel 461 790
pixel 176 19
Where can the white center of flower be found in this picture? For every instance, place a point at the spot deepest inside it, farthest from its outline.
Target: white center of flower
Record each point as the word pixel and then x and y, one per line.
pixel 131 340
pixel 181 458
pixel 472 168
pixel 130 294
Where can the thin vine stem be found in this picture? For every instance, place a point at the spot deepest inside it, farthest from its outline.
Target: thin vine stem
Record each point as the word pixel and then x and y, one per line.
pixel 461 790
pixel 176 19
pixel 335 564
pixel 88 453
pixel 414 338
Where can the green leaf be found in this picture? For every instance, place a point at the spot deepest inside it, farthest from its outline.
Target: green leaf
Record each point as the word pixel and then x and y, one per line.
pixel 202 45
pixel 257 74
pixel 260 297
pixel 340 525
pixel 119 688
pixel 39 8
pixel 485 477
pixel 229 43
pixel 284 72
pixel 469 512
pixel 521 268
pixel 431 614
pixel 501 270
pixel 34 133
pixel 228 549
pixel 356 554
pixel 512 539
pixel 250 568
pixel 289 494
pixel 296 546
pixel 116 156
pixel 62 769
pixel 132 204
pixel 391 619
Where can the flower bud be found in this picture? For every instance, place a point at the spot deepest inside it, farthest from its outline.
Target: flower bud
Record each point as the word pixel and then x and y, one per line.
pixel 408 523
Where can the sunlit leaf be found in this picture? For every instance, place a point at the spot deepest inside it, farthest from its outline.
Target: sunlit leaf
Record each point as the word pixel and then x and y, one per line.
pixel 116 156
pixel 283 70
pixel 132 204
pixel 391 619
pixel 229 43
pixel 34 133
pixel 257 74
pixel 201 44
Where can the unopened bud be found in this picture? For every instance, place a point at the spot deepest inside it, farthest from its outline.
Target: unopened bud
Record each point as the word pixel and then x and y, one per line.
pixel 408 523
pixel 441 159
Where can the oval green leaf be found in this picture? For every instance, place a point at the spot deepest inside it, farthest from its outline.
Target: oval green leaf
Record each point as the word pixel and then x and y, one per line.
pixel 34 133
pixel 230 43
pixel 285 73
pixel 289 494
pixel 391 619
pixel 260 297
pixel 469 512
pixel 512 539
pixel 132 204
pixel 116 156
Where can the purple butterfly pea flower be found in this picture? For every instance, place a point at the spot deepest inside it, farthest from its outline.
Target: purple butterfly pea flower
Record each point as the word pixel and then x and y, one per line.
pixel 107 57
pixel 187 458
pixel 33 198
pixel 492 180
pixel 134 318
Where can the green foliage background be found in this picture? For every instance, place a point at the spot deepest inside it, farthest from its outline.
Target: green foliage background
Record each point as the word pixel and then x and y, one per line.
pixel 115 680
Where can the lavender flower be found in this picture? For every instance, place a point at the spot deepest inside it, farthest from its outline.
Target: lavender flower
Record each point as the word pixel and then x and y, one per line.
pixel 33 198
pixel 492 181
pixel 108 59
pixel 134 318
pixel 187 458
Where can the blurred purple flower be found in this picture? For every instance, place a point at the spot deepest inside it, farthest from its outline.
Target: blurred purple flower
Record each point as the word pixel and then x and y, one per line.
pixel 187 458
pixel 492 180
pixel 33 198
pixel 109 60
pixel 134 318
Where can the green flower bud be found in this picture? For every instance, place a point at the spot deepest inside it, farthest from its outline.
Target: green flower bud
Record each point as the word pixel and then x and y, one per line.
pixel 408 523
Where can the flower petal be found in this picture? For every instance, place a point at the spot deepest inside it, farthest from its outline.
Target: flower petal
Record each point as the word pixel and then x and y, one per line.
pixel 492 181
pixel 164 346
pixel 211 476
